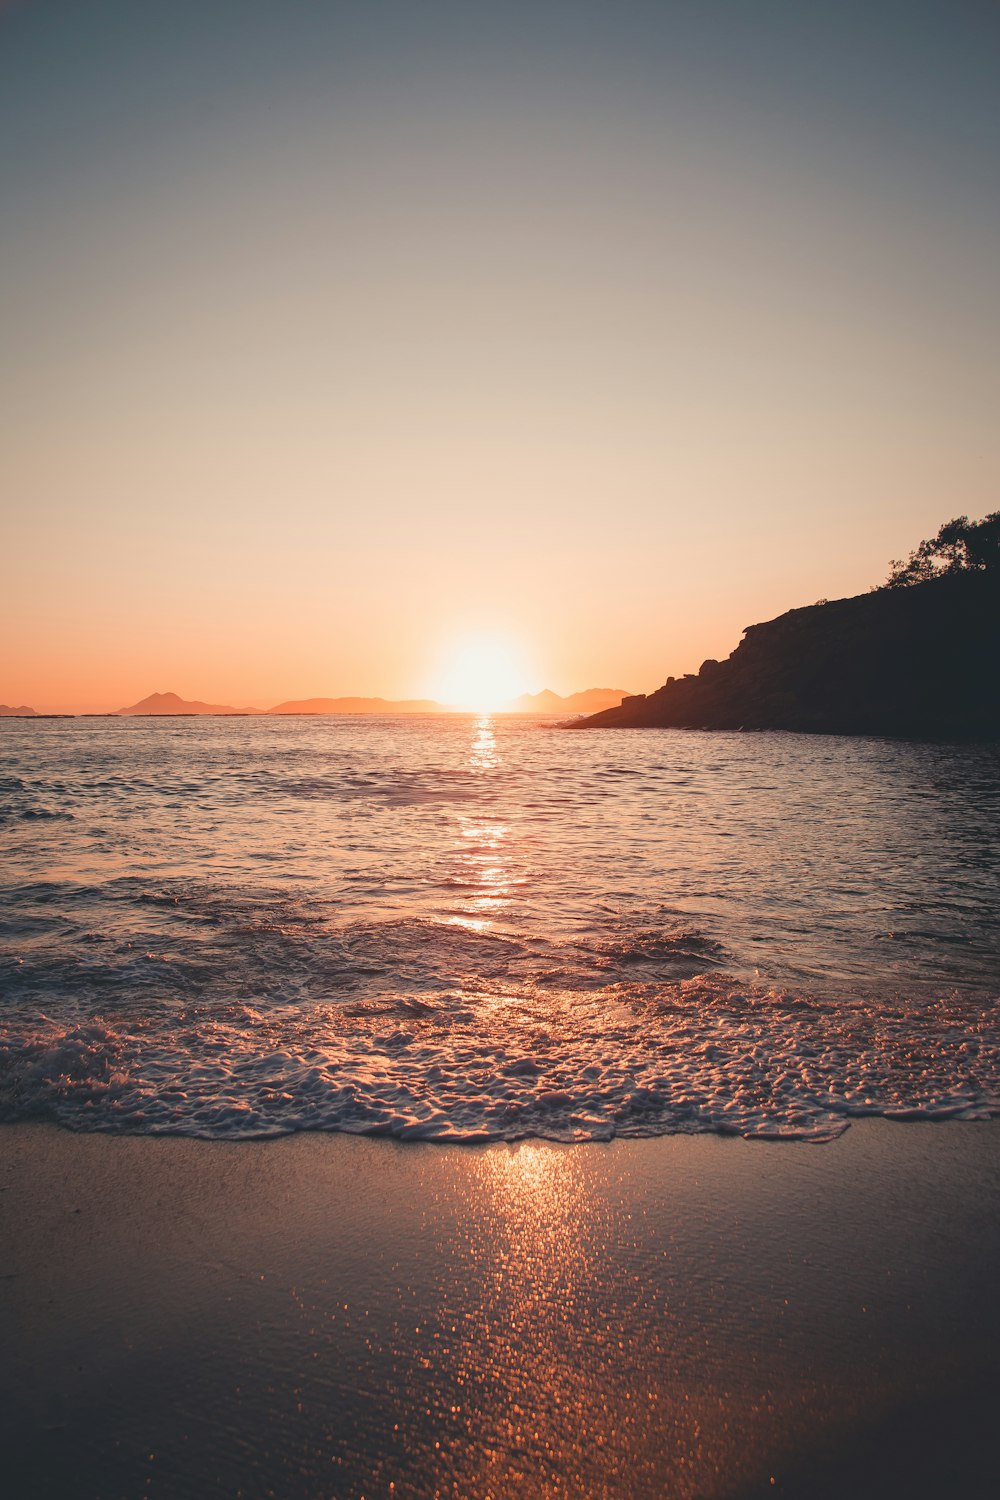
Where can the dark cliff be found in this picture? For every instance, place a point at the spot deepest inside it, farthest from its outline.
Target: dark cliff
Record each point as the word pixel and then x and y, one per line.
pixel 918 662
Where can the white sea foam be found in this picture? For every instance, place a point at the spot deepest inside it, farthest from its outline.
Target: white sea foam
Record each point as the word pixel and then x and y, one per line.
pixel 706 1054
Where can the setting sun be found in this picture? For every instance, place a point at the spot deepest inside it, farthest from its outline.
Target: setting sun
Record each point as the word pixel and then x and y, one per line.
pixel 482 674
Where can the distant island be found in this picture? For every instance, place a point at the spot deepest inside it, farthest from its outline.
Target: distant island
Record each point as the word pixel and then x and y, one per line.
pixel 171 703
pixel 917 658
pixel 23 712
pixel 591 701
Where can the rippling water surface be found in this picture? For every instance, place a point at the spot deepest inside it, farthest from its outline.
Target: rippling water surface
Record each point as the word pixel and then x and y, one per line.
pixel 473 928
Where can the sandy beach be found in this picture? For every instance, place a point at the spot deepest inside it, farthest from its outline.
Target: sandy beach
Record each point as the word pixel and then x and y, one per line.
pixel 322 1315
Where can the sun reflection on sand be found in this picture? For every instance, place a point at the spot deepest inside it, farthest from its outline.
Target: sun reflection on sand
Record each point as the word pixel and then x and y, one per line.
pixel 587 1377
pixel 536 1242
pixel 534 1187
pixel 547 1415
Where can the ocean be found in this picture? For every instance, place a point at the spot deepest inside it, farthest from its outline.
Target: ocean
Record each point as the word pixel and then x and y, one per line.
pixel 472 928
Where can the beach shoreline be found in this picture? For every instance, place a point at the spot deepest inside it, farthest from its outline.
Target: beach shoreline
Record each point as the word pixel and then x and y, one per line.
pixel 338 1315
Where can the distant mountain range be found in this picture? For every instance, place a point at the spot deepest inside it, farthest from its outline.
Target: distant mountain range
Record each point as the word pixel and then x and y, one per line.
pixel 7 712
pixel 357 706
pixel 592 701
pixel 170 703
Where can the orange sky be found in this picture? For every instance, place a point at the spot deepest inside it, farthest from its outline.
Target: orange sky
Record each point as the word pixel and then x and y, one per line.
pixel 333 340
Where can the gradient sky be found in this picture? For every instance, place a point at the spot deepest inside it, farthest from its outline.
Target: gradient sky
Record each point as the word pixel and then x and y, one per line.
pixel 334 334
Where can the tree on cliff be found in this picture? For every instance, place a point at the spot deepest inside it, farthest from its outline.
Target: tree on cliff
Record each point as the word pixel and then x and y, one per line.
pixel 961 546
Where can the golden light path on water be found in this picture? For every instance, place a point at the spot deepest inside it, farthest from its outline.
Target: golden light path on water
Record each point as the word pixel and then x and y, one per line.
pixel 483 862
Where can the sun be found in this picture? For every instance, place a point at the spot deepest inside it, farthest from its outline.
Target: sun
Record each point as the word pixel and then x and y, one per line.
pixel 480 674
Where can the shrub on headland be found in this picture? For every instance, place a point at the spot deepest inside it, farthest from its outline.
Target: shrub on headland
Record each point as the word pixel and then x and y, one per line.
pixel 961 546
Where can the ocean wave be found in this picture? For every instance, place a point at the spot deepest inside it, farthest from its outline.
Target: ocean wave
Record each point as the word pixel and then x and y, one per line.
pixel 498 1063
pixel 180 939
pixel 646 946
pixel 27 809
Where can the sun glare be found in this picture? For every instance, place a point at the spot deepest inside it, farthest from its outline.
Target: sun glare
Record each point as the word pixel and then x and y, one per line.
pixel 482 675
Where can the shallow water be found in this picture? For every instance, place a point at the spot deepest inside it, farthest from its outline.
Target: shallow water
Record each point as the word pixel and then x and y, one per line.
pixel 470 928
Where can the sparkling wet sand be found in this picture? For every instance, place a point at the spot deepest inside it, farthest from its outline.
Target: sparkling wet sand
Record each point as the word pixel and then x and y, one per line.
pixel 324 1315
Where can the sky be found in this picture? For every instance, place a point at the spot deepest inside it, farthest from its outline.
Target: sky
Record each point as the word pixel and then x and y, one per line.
pixel 337 337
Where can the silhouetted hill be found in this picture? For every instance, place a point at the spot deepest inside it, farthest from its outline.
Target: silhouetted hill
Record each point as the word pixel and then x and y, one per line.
pixel 24 712
pixel 358 706
pixel 531 703
pixel 590 701
pixel 170 703
pixel 545 702
pixel 919 662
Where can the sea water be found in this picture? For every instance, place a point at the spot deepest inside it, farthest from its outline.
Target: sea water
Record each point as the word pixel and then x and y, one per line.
pixel 472 928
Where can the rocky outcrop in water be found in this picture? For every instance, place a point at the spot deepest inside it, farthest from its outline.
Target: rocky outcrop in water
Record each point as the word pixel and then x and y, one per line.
pixel 919 662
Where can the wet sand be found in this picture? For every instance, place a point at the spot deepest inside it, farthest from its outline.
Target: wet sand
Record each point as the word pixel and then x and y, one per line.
pixel 331 1316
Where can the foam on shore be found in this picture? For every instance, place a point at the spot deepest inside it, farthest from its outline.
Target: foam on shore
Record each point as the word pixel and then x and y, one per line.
pixel 505 1062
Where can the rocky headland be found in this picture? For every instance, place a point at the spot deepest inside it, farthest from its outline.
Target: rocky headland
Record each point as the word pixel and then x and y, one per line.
pixel 914 662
